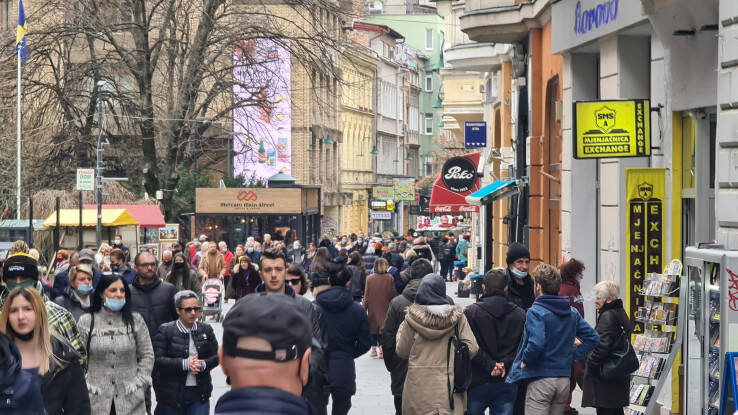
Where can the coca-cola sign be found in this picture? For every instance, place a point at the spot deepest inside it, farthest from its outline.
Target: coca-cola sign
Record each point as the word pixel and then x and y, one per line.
pixel 459 174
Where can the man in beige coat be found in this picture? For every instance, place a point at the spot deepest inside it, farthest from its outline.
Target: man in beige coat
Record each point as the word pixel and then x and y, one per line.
pixel 423 339
pixel 212 264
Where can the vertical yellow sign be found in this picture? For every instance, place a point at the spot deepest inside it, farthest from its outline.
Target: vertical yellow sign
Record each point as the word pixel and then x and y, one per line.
pixel 645 234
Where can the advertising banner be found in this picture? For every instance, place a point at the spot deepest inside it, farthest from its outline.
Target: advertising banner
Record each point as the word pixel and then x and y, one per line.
pixel 457 180
pixel 85 179
pixel 475 134
pixel 262 123
pixel 612 129
pixel 404 189
pixel 248 200
pixel 379 215
pixel 645 191
pixel 383 192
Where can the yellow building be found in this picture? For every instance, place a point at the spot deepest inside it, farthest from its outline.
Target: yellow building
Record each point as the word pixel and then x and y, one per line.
pixel 359 69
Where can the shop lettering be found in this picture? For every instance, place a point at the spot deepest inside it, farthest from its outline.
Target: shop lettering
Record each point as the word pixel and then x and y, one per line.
pixel 599 15
pixel 646 218
pixel 456 173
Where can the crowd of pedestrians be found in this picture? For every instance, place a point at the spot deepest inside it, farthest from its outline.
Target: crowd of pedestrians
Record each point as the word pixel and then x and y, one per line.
pixel 107 337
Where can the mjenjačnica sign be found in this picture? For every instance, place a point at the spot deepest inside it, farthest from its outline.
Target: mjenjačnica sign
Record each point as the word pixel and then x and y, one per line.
pixel 604 129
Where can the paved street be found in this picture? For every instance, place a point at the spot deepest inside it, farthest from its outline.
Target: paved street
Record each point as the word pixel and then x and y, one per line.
pixel 373 388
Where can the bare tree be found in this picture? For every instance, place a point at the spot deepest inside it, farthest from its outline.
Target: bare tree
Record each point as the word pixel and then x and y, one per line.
pixel 163 64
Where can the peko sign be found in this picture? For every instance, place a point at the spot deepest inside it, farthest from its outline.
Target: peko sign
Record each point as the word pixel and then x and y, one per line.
pixel 594 17
pixel 459 174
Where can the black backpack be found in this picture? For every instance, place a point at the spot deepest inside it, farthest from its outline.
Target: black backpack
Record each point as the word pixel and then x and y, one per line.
pixel 462 367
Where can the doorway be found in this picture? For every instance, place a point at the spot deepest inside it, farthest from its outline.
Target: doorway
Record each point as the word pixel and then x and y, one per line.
pixel 552 166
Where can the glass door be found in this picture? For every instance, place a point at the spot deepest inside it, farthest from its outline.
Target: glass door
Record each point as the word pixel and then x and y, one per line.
pixel 694 344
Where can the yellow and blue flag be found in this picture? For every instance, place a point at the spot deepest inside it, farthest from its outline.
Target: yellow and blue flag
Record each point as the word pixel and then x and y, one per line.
pixel 20 33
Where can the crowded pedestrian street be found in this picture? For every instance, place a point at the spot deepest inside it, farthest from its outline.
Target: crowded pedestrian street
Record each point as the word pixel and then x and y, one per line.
pixel 369 207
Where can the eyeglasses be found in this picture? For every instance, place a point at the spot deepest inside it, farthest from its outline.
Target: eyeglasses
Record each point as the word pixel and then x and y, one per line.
pixel 147 265
pixel 293 281
pixel 191 309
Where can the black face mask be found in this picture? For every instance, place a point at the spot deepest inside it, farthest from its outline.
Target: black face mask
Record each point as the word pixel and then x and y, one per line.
pixel 167 262
pixel 114 267
pixel 179 265
pixel 24 337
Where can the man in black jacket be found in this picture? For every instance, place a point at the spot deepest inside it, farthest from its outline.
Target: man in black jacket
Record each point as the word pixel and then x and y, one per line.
pixel 498 325
pixel 154 300
pixel 184 382
pixel 519 283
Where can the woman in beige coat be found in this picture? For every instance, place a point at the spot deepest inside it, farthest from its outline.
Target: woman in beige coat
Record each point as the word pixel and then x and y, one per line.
pixel 423 340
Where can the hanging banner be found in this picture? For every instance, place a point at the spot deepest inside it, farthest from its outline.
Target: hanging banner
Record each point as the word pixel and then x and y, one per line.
pixel 645 191
pixel 383 192
pixel 475 134
pixel 612 129
pixel 404 189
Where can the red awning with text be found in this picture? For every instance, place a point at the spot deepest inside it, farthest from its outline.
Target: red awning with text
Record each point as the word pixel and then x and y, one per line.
pixel 457 180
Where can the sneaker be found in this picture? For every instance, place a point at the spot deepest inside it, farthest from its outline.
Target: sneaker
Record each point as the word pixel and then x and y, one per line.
pixel 373 353
pixel 571 411
pixel 381 354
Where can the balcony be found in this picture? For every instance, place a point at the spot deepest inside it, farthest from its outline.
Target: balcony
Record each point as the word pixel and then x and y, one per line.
pixel 501 21
pixel 479 57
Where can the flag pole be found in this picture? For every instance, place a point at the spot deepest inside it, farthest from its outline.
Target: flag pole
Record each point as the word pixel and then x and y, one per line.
pixel 18 142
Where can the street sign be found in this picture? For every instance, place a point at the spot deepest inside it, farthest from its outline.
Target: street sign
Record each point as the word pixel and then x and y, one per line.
pixel 475 134
pixel 381 215
pixel 383 192
pixel 604 129
pixel 85 179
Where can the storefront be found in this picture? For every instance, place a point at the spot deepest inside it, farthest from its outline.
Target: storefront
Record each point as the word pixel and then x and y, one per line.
pixel 234 214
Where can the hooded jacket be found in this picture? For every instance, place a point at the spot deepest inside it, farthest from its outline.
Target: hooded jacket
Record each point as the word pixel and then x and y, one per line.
pixel 423 339
pixel 397 366
pixel 548 348
pixel 262 400
pixel 425 251
pixel 522 295
pixel 155 303
pixel 347 336
pixel 498 327
pixel 20 392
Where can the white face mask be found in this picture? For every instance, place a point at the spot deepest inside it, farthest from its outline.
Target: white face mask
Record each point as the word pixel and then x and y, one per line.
pixel 296 245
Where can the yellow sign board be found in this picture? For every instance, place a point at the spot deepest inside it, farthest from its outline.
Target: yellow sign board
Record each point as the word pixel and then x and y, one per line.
pixel 612 129
pixel 645 191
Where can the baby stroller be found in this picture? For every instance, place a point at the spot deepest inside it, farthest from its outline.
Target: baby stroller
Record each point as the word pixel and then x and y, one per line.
pixel 212 299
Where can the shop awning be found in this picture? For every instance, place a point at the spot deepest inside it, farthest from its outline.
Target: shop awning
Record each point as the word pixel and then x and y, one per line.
pixel 147 216
pixel 497 190
pixel 110 217
pixel 445 200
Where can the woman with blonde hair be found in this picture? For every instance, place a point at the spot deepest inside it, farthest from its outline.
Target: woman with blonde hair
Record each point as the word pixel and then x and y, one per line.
pixel 76 297
pixel 378 293
pixel 51 358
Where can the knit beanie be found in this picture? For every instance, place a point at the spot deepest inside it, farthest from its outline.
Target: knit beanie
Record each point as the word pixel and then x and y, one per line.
pixel 20 265
pixel 432 291
pixel 516 251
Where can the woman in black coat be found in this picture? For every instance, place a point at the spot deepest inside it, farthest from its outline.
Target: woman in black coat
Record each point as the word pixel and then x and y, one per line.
pixel 185 384
pixel 607 396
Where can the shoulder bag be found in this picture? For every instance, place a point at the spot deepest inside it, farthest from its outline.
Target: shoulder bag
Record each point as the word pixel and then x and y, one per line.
pixel 621 362
pixel 462 366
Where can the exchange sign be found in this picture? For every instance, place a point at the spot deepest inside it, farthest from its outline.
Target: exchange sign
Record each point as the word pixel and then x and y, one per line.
pixel 612 129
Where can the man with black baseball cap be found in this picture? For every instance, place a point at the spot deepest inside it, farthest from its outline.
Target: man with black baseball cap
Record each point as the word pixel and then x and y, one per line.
pixel 519 284
pixel 21 270
pixel 265 355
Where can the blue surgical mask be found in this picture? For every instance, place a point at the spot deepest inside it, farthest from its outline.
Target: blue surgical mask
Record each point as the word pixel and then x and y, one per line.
pixel 518 274
pixel 84 289
pixel 114 304
pixel 249 250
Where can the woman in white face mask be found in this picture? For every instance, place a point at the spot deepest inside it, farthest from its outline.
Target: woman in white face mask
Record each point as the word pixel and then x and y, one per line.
pixel 119 352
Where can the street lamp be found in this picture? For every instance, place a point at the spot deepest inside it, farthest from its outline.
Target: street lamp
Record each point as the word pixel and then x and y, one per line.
pixel 98 227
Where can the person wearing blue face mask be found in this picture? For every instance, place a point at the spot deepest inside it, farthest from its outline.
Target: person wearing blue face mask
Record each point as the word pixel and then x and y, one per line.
pixel 76 297
pixel 520 285
pixel 120 362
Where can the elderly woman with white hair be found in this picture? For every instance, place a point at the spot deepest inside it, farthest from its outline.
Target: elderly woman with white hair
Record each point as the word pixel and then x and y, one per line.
pixel 608 396
pixel 185 384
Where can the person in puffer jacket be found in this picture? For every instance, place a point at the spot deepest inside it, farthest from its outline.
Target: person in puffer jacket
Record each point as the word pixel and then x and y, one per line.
pixel 555 336
pixel 20 391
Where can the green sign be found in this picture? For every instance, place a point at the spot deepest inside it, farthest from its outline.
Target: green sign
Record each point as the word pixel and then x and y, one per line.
pixel 404 189
pixel 383 192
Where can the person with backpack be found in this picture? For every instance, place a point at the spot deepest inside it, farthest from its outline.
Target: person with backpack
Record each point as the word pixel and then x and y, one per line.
pixel 462 248
pixel 358 276
pixel 447 257
pixel 439 344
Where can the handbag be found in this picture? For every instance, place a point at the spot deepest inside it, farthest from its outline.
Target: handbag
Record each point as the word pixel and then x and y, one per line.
pixel 462 367
pixel 621 362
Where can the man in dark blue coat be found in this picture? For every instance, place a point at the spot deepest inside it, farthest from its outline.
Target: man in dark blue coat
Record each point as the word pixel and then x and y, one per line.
pixel 347 335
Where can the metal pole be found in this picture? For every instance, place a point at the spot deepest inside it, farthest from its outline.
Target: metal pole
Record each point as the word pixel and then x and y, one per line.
pixel 98 172
pixel 30 222
pixel 56 228
pixel 194 168
pixel 228 156
pixel 18 145
pixel 79 229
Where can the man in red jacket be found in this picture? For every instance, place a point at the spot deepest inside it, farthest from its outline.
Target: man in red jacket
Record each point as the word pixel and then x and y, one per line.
pixel 572 272
pixel 228 256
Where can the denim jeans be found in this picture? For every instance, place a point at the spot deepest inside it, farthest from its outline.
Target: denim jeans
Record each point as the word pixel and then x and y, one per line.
pixel 499 397
pixel 191 404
